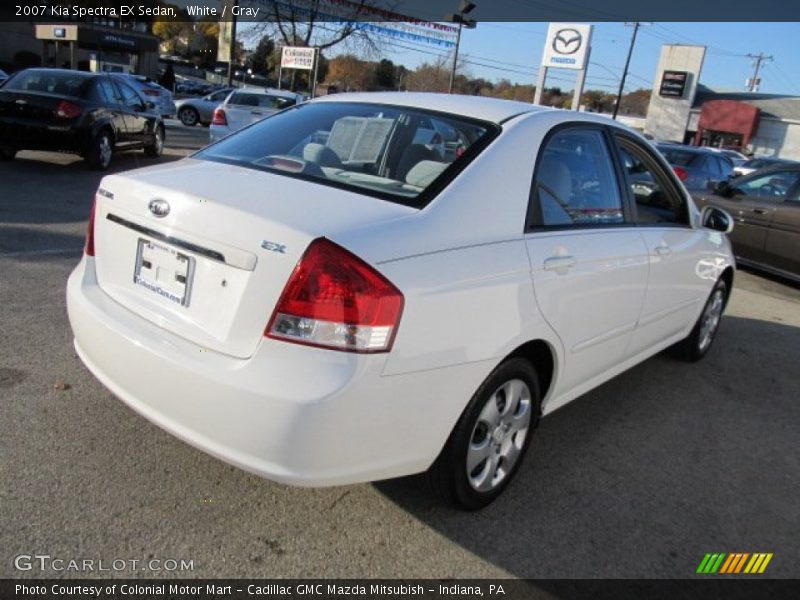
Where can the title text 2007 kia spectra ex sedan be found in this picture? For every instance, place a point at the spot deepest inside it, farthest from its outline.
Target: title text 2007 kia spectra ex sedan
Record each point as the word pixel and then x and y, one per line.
pixel 320 300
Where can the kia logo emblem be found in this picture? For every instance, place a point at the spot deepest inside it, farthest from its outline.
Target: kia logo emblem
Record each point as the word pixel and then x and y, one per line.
pixel 567 41
pixel 159 207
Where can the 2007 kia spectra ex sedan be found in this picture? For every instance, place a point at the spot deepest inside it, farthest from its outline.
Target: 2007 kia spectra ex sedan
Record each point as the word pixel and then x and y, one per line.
pixel 320 300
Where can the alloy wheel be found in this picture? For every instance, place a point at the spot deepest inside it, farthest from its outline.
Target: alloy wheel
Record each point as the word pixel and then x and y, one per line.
pixel 499 435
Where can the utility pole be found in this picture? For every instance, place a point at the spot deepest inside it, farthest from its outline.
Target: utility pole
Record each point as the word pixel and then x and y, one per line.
pixel 232 53
pixel 636 26
pixel 460 17
pixel 752 84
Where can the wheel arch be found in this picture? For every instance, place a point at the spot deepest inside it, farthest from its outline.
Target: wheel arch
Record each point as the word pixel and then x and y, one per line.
pixel 542 355
pixel 727 277
pixel 106 125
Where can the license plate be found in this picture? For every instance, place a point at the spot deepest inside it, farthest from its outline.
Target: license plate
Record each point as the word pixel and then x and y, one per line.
pixel 164 271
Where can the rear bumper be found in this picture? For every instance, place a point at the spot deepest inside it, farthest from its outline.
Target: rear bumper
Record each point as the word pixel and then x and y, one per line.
pixel 34 136
pixel 217 132
pixel 290 413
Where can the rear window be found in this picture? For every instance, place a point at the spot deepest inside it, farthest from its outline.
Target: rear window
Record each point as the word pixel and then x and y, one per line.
pixel 678 158
pixel 65 83
pixel 370 148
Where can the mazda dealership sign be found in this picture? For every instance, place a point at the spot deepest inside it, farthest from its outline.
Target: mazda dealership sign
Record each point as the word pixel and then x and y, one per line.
pixel 567 46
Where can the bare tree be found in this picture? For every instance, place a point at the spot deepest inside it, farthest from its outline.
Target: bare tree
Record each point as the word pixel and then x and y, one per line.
pixel 305 23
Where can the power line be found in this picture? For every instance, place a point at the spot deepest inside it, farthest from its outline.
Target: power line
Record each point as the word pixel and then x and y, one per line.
pixel 636 26
pixel 759 58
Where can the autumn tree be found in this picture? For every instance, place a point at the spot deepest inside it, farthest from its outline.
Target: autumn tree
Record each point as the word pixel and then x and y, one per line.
pixel 636 102
pixel 349 73
pixel 429 77
pixel 175 35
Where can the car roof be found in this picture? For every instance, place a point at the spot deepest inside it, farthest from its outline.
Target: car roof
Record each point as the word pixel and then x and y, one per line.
pixel 780 163
pixel 61 72
pixel 688 149
pixel 484 108
pixel 264 91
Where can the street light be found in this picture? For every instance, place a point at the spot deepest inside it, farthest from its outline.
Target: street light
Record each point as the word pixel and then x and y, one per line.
pixel 464 8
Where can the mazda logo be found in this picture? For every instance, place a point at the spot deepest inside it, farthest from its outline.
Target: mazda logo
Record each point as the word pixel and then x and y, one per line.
pixel 159 207
pixel 567 41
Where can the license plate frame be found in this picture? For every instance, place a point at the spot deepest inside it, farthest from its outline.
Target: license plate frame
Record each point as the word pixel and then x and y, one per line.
pixel 159 269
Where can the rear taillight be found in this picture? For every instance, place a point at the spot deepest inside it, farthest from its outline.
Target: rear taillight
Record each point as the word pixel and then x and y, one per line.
pixel 89 248
pixel 67 110
pixel 682 173
pixel 219 117
pixel 335 300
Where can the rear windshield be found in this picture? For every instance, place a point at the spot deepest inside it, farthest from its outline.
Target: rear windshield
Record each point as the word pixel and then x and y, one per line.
pixel 386 151
pixel 66 83
pixel 678 158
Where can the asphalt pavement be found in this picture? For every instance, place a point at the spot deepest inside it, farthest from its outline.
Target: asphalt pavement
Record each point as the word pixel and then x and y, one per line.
pixel 639 478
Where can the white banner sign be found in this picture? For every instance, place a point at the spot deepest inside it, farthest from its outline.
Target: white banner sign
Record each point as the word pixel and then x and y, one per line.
pixel 297 57
pixel 567 46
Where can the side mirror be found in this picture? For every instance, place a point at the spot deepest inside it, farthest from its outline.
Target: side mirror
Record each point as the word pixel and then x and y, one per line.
pixel 149 105
pixel 713 217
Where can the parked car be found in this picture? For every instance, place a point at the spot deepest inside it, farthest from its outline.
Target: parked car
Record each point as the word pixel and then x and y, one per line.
pixel 156 93
pixel 766 208
pixel 759 163
pixel 192 111
pixel 440 137
pixel 737 158
pixel 247 105
pixel 3 76
pixel 698 167
pixel 323 313
pixel 91 114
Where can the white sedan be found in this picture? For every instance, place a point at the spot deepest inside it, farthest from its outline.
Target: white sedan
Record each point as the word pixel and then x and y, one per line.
pixel 247 105
pixel 321 301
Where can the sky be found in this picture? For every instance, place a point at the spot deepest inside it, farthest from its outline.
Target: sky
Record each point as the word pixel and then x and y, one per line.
pixel 514 50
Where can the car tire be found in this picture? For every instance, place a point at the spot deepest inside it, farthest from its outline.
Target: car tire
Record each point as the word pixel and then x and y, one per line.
pixel 699 341
pixel 189 116
pixel 157 147
pixel 7 153
pixel 487 445
pixel 101 150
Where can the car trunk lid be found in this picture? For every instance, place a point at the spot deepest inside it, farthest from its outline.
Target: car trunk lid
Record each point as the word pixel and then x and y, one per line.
pixel 213 266
pixel 39 107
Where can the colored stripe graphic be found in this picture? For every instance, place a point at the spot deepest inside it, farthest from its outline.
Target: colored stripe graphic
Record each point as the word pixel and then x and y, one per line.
pixel 734 563
pixel 727 564
pixel 764 564
pixel 703 563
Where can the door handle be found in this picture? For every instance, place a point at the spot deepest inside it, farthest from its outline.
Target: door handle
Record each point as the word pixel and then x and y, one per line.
pixel 559 263
pixel 759 211
pixel 663 250
pixel 256 112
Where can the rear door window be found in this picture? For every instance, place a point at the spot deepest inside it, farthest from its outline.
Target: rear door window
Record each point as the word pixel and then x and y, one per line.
pixel 106 92
pixel 275 102
pixel 130 98
pixel 575 184
pixel 244 99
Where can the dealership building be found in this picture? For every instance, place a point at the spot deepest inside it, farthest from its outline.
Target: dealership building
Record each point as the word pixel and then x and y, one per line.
pixel 108 44
pixel 684 110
